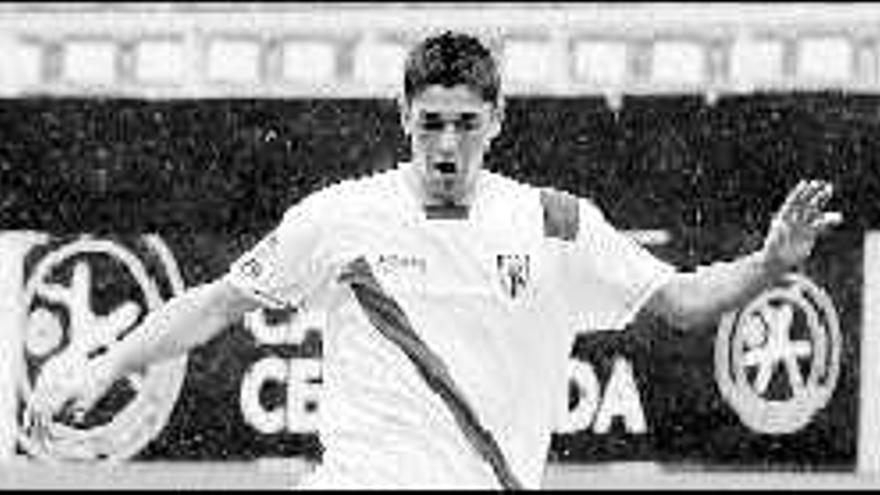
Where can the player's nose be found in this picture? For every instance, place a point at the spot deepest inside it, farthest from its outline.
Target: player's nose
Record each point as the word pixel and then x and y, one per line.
pixel 448 141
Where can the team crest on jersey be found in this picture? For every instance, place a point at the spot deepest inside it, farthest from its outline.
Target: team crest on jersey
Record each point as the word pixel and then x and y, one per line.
pixel 513 272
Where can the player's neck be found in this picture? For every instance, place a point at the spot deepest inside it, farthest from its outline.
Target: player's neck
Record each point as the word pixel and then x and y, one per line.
pixel 434 207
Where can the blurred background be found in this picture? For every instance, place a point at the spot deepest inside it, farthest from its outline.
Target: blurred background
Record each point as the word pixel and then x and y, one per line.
pixel 144 146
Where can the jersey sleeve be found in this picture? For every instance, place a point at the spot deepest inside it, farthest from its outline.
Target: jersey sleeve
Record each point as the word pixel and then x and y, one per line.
pixel 286 265
pixel 609 276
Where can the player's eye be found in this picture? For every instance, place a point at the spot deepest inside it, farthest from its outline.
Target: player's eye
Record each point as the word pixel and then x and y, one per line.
pixel 432 123
pixel 466 122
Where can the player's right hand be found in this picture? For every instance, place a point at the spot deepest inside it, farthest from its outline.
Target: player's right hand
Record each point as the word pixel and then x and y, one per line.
pixel 68 382
pixel 796 226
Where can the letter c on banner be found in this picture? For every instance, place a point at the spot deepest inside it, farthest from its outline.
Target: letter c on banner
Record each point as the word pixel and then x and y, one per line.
pixel 301 380
pixel 263 371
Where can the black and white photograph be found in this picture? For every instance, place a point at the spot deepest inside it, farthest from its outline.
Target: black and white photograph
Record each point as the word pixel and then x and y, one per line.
pixel 424 245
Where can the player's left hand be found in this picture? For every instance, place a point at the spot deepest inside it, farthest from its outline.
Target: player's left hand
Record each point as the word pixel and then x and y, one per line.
pixel 797 224
pixel 69 382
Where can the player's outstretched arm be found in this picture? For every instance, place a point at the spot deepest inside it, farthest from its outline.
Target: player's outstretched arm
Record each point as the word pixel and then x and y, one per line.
pixel 182 323
pixel 695 298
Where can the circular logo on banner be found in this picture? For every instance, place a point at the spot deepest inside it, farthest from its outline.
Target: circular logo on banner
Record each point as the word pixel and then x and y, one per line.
pixel 777 359
pixel 82 297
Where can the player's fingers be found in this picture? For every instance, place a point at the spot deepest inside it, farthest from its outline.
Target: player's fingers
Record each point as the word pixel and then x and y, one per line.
pixel 817 193
pixel 49 399
pixel 794 195
pixel 39 402
pixel 828 220
pixel 823 193
pixel 807 202
pixel 812 212
pixel 30 416
pixel 85 403
pixel 814 191
pixel 794 201
pixel 36 421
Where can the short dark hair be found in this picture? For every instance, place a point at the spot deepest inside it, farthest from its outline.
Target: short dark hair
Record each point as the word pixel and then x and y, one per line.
pixel 450 59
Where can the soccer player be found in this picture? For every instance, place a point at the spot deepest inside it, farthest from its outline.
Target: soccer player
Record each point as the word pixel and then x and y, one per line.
pixel 454 296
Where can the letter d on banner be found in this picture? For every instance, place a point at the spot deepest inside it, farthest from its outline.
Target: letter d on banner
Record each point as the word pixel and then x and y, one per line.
pixel 14 245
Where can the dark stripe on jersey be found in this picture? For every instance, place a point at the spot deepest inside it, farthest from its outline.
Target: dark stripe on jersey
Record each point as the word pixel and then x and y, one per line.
pixel 561 214
pixel 277 302
pixel 390 320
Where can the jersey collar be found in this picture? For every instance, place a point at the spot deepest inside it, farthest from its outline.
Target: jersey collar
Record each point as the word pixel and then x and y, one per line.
pixel 413 204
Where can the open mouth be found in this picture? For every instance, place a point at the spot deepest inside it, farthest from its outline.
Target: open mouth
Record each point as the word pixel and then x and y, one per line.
pixel 445 167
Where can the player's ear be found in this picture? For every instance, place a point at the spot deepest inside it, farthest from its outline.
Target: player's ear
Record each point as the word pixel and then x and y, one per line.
pixel 404 108
pixel 497 118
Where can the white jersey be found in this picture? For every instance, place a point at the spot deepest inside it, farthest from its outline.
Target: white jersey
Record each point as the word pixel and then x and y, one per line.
pixel 497 297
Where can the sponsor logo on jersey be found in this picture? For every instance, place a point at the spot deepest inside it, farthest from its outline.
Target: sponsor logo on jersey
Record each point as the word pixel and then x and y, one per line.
pixel 402 263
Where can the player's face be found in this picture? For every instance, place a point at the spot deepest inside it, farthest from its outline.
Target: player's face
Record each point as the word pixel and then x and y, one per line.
pixel 450 129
